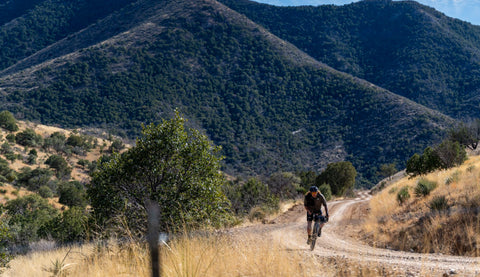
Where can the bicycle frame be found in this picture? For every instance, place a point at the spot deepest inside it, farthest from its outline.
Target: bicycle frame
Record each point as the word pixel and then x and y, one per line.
pixel 316 229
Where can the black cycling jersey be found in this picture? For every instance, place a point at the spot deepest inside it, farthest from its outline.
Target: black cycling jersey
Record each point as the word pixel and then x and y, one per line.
pixel 314 204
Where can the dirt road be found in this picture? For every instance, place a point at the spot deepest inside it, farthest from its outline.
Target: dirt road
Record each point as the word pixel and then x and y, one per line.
pixel 337 243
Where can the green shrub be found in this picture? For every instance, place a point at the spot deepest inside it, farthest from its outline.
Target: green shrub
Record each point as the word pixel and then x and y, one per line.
pixel 254 193
pixel 403 195
pixel 439 203
pixel 45 191
pixel 326 191
pixel 83 163
pixel 424 187
pixel 284 184
pixel 11 176
pixel 453 178
pixel 117 146
pixel 33 179
pixel 55 141
pixel 29 138
pixel 69 226
pixel 8 121
pixel 11 157
pixel 31 159
pixel 340 176
pixel 6 148
pixel 26 216
pixel 60 165
pixel 72 194
pixel 10 138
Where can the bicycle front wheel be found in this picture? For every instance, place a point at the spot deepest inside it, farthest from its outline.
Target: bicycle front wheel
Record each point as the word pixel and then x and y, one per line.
pixel 316 228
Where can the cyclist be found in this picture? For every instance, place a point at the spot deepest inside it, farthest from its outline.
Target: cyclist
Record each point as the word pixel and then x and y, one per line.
pixel 313 202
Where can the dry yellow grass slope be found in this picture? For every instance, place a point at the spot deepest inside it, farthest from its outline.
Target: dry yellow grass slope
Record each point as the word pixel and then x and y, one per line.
pixel 247 255
pixel 444 221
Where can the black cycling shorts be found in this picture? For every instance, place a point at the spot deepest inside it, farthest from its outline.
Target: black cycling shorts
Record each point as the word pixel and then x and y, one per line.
pixel 320 217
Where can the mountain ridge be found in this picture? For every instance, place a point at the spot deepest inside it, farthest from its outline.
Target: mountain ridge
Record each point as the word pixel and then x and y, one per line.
pixel 403 46
pixel 247 89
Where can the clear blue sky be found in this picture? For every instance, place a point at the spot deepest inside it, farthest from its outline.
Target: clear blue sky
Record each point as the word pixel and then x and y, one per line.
pixel 466 10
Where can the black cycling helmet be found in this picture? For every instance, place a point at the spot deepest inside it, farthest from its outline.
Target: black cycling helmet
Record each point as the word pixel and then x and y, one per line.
pixel 313 189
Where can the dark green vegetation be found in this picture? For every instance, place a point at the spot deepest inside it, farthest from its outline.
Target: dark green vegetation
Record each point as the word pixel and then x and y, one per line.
pixel 174 166
pixel 177 168
pixel 340 177
pixel 8 121
pixel 424 187
pixel 27 192
pixel 269 105
pixel 447 154
pixel 405 47
pixel 38 23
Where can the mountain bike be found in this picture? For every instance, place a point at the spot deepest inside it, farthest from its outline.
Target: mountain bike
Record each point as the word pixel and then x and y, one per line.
pixel 317 231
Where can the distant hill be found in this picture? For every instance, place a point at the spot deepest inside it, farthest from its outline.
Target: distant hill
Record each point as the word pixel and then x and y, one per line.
pixel 403 46
pixel 271 106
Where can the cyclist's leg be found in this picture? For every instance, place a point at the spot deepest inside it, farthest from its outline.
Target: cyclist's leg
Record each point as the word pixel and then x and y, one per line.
pixel 322 220
pixel 309 223
pixel 309 227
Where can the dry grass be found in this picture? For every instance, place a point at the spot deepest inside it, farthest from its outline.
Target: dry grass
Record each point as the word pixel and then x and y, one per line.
pixel 414 225
pixel 213 256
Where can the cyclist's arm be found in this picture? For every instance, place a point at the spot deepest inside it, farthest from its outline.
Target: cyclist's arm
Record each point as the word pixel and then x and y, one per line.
pixel 305 205
pixel 325 205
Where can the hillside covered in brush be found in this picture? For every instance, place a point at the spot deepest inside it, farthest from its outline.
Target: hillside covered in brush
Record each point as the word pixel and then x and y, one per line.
pixel 403 46
pixel 271 106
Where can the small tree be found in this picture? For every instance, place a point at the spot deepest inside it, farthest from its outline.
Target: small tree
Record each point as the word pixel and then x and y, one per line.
pixel 284 184
pixel 34 179
pixel 422 164
pixel 340 176
pixel 467 135
pixel 307 178
pixel 55 141
pixel 10 138
pixel 32 157
pixel 29 138
pixel 26 216
pixel 69 226
pixel 8 121
pixel 177 168
pixel 450 153
pixel 414 165
pixel 117 146
pixel 75 140
pixel 60 165
pixel 72 194
pixel 5 169
pixel 387 170
pixel 326 191
pixel 255 193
